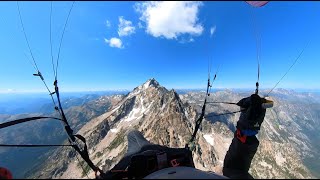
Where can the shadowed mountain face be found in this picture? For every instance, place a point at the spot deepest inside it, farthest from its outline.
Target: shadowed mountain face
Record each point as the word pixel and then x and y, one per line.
pixel 166 118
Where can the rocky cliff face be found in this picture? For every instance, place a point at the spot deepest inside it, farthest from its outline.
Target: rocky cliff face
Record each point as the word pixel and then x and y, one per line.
pixel 168 119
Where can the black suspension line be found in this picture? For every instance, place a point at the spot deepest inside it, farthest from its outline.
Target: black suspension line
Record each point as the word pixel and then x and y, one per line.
pixel 54 72
pixel 71 137
pixel 23 120
pixel 223 114
pixel 34 61
pixel 215 75
pixel 35 145
pixel 221 103
pixel 81 164
pixel 65 25
pixel 199 120
pixel 258 48
pixel 30 61
pixel 25 36
pixel 296 60
pixel 213 79
pixel 209 72
pixel 208 92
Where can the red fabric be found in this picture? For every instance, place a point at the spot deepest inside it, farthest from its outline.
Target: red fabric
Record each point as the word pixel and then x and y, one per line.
pixel 240 137
pixel 5 173
pixel 257 3
pixel 174 163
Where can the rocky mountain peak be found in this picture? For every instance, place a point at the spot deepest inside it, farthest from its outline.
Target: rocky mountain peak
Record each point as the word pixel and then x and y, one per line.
pixel 151 83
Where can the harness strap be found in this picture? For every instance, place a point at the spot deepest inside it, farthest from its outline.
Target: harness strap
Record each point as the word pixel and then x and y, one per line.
pixel 162 160
pixel 18 121
pixel 85 155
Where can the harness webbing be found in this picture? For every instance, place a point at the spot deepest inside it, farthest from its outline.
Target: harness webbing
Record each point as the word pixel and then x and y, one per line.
pixel 35 145
pixel 18 121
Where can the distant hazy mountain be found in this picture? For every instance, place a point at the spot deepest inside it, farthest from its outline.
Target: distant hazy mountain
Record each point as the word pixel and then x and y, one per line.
pixel 20 103
pixel 288 140
pixel 78 111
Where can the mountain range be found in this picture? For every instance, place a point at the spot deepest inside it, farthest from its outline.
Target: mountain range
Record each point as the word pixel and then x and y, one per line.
pixel 78 111
pixel 288 137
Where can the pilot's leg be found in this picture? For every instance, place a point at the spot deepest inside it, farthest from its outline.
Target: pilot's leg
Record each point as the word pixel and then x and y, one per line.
pixel 238 158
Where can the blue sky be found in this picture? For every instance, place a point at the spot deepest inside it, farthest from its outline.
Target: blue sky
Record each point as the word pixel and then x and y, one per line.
pixel 119 45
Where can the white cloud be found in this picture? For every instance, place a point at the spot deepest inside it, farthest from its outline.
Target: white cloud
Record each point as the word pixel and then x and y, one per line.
pixel 212 30
pixel 125 27
pixel 170 19
pixel 186 40
pixel 108 24
pixel 114 42
pixel 140 25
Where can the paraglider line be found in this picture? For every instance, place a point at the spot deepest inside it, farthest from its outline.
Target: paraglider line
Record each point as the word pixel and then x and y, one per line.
pixel 51 41
pixel 62 39
pixel 289 68
pixel 223 114
pixel 221 103
pixel 71 136
pixel 81 164
pixel 258 47
pixel 35 63
pixel 35 145
pixel 25 36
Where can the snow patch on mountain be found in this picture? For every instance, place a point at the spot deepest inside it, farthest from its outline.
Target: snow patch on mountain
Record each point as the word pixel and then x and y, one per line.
pixel 209 139
pixel 265 164
pixel 280 159
pixel 114 130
